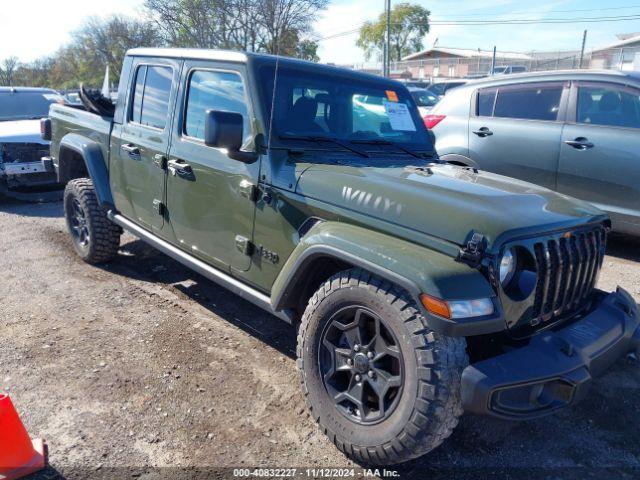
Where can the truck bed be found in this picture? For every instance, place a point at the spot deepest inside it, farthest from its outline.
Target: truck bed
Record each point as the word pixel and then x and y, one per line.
pixel 74 120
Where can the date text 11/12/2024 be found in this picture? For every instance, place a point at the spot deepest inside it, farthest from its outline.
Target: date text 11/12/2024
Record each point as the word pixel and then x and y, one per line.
pixel 315 473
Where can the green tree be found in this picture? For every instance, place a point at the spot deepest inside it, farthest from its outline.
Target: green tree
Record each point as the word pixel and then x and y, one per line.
pixel 97 43
pixel 8 70
pixel 273 26
pixel 409 25
pixel 307 50
pixel 101 42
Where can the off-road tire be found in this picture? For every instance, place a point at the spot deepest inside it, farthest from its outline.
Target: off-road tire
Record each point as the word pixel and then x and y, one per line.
pixel 104 235
pixel 429 405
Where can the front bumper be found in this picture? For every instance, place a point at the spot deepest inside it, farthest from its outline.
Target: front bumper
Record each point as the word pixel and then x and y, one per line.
pixel 556 368
pixel 28 173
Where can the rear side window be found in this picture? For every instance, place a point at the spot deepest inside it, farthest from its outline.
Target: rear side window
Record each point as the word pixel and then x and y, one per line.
pixel 609 105
pixel 530 102
pixel 151 96
pixel 450 85
pixel 210 90
pixel 437 88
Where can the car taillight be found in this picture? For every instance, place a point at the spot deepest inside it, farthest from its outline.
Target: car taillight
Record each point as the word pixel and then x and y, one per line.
pixel 431 121
pixel 45 129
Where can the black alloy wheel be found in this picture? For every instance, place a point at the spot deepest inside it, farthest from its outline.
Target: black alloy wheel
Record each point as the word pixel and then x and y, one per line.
pixel 361 365
pixel 78 224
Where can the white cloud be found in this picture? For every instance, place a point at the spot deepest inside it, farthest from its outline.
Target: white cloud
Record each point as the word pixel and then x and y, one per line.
pixel 34 28
pixel 345 15
pixel 342 18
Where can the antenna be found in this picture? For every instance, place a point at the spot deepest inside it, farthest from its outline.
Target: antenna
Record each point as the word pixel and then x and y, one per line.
pixel 273 95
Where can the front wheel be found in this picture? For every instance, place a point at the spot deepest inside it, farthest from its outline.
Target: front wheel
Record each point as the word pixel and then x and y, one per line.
pixel 95 238
pixel 382 385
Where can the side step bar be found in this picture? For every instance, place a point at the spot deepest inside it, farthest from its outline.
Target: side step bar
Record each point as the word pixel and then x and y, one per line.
pixel 223 279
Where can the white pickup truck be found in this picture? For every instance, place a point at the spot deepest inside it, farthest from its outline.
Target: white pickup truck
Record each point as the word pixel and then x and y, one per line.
pixel 22 149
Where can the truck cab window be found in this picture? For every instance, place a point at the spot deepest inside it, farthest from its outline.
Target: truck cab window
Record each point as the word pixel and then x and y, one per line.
pixel 151 96
pixel 210 90
pixel 308 104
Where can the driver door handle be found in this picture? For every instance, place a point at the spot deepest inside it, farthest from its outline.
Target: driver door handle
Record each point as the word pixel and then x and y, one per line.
pixel 483 132
pixel 132 150
pixel 580 143
pixel 180 168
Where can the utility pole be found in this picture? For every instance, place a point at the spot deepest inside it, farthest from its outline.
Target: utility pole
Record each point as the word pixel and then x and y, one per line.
pixel 584 41
pixel 387 41
pixel 493 61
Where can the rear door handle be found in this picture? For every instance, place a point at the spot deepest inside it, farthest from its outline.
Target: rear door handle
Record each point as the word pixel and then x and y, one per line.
pixel 180 168
pixel 483 132
pixel 132 150
pixel 580 143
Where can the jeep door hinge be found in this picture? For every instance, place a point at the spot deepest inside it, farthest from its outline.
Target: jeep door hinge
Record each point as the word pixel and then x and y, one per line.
pixel 244 245
pixel 158 206
pixel 160 161
pixel 248 190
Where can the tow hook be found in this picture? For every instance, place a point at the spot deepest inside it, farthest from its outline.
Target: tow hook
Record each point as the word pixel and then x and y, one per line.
pixel 473 251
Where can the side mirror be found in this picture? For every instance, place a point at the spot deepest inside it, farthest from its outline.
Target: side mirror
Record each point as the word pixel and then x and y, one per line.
pixel 225 130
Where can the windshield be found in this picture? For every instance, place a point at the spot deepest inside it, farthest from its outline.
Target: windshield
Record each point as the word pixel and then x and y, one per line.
pixel 346 108
pixel 25 105
pixel 424 98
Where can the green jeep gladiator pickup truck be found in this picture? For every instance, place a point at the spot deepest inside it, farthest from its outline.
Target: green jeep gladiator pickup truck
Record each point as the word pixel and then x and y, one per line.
pixel 420 290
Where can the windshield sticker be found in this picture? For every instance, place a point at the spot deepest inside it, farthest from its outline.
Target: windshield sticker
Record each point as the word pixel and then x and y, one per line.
pixel 399 117
pixel 392 96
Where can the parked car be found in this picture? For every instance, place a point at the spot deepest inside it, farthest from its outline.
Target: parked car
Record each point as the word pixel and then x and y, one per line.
pixel 424 98
pixel 442 87
pixel 21 146
pixel 416 83
pixel 508 69
pixel 419 288
pixel 577 132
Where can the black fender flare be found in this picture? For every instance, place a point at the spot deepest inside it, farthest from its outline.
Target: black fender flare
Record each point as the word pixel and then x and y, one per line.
pixel 412 267
pixel 94 160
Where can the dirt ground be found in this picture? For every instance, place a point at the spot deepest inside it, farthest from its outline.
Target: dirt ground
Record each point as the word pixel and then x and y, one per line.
pixel 144 369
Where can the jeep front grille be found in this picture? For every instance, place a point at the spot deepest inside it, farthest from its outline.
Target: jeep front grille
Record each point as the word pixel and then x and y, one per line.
pixel 568 267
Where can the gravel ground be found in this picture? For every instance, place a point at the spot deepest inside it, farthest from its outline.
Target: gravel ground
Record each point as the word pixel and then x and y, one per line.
pixel 142 367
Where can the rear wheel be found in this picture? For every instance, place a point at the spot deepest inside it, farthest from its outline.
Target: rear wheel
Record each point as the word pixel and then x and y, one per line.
pixel 382 385
pixel 95 238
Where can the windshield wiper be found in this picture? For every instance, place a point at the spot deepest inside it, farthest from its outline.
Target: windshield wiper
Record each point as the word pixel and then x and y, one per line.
pixel 320 138
pixel 393 144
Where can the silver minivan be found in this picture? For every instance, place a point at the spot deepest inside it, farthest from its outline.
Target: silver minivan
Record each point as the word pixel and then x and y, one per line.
pixel 577 132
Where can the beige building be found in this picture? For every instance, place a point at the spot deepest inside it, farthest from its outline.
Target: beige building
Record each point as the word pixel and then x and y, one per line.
pixel 623 55
pixel 458 62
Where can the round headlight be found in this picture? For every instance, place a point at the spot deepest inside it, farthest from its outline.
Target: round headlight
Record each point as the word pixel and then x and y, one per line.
pixel 507 266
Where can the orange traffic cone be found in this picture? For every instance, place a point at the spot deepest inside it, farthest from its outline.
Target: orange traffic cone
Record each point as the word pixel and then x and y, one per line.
pixel 19 455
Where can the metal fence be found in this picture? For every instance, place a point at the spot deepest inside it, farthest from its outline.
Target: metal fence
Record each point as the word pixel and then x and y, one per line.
pixel 455 67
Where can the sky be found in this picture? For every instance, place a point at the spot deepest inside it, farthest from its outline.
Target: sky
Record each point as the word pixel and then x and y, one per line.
pixel 32 28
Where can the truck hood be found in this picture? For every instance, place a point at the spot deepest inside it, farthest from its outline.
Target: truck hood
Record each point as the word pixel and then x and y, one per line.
pixel 21 131
pixel 445 201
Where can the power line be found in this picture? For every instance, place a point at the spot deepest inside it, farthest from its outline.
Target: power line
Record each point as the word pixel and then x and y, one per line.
pixel 533 12
pixel 607 19
pixel 523 21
